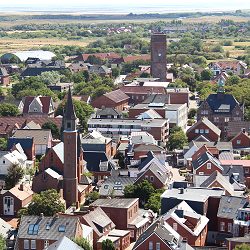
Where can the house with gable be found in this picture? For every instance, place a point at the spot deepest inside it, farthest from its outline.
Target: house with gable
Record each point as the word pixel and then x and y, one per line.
pixel 206 164
pixel 189 224
pixel 241 141
pixel 205 128
pixel 231 209
pixel 220 109
pixel 41 106
pixel 11 201
pixel 39 232
pixel 115 99
pixel 160 236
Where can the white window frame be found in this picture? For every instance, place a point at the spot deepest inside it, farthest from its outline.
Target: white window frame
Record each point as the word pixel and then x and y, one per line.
pixel 229 227
pixel 175 226
pixel 152 178
pixel 33 244
pixel 26 244
pixel 209 165
pixel 238 142
pixel 222 226
pixel 150 245
pixel 158 246
pixel 196 131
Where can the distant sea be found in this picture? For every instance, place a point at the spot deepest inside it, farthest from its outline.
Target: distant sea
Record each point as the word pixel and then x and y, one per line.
pixel 124 9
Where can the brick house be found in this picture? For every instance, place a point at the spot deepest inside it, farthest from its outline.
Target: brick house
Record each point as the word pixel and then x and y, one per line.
pixel 11 201
pixel 125 213
pixel 187 223
pixel 138 93
pixel 116 99
pixel 206 128
pixel 241 140
pixel 221 108
pixel 235 241
pixel 4 77
pixel 99 221
pixel 27 145
pixel 206 164
pixel 38 232
pixel 160 236
pixel 42 138
pixel 37 106
pixel 228 216
pixel 156 173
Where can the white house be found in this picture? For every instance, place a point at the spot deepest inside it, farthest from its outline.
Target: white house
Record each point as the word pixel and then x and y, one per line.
pixel 9 159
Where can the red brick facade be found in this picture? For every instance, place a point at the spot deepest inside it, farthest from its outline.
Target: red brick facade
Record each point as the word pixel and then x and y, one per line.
pixel 241 140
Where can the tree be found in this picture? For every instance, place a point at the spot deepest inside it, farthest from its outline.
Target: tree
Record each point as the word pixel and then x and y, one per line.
pixel 83 243
pixel 242 247
pixel 92 196
pixel 177 140
pixel 14 175
pixel 115 72
pixel 82 109
pixel 154 201
pixel 7 109
pixel 54 129
pixel 3 144
pixel 47 202
pixel 143 191
pixel 206 74
pixel 121 159
pixel 108 245
pixel 50 77
pixel 100 91
pixel 191 114
pixel 2 243
pixel 233 80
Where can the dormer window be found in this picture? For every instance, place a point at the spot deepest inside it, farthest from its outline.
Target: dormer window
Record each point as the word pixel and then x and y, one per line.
pixel 35 109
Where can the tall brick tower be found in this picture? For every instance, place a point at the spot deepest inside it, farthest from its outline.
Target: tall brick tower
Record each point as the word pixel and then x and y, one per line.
pixel 158 56
pixel 70 135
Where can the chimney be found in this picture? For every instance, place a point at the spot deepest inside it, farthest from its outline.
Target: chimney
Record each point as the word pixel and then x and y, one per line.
pixel 181 191
pixel 244 130
pixel 41 215
pixel 21 187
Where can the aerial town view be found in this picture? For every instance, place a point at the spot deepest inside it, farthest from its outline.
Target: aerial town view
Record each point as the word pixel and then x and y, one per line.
pixel 125 125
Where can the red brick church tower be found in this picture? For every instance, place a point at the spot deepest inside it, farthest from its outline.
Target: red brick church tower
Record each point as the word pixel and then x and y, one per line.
pixel 70 136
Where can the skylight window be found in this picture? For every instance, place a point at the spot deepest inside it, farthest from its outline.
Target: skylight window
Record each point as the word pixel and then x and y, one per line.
pixel 61 228
pixel 33 229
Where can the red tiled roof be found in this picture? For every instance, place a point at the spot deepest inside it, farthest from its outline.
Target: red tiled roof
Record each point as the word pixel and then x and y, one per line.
pixel 8 123
pixel 143 90
pixel 102 56
pixel 229 64
pixel 45 100
pixel 117 96
pixel 244 163
pixel 135 58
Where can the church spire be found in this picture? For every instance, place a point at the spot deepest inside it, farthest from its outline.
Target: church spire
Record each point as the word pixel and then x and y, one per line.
pixel 69 115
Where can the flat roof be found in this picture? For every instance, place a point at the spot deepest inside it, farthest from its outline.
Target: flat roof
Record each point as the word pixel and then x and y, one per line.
pixel 143 123
pixel 115 203
pixel 194 194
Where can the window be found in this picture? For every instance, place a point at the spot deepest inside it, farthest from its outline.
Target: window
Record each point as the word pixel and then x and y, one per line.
pixel 226 119
pixel 206 131
pixel 35 109
pixel 229 227
pixel 208 165
pixel 33 244
pixel 158 246
pixel 152 178
pixel 3 161
pixel 150 245
pixel 61 228
pixel 238 142
pixel 197 131
pixel 146 177
pixel 201 131
pixel 175 226
pixel 246 170
pixel 216 119
pixel 46 244
pixel 26 244
pixel 201 173
pixel 132 234
pixel 222 226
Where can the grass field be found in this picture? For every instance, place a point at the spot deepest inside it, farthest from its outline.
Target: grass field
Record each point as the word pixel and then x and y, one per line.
pixel 11 45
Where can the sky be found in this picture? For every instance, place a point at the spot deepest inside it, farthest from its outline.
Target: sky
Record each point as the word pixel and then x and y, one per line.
pixel 176 4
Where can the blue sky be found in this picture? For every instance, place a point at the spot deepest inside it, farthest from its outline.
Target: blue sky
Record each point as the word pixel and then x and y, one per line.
pixel 127 5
